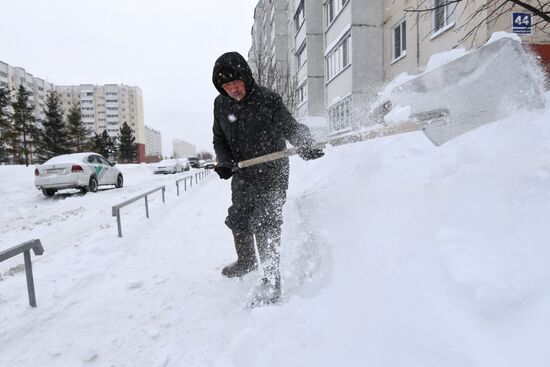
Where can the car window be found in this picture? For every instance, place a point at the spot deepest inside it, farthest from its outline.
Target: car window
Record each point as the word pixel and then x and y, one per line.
pixel 103 160
pixel 91 159
pixel 96 159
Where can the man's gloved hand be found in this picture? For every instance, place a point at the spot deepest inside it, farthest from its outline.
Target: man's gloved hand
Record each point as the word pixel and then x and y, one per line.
pixel 307 152
pixel 224 170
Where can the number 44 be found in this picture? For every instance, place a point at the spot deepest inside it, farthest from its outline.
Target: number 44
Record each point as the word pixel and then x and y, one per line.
pixel 522 20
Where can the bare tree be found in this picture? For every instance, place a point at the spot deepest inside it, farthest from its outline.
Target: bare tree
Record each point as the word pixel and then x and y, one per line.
pixel 272 74
pixel 486 12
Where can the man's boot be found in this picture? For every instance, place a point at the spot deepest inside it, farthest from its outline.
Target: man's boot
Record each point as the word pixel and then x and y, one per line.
pixel 246 256
pixel 269 290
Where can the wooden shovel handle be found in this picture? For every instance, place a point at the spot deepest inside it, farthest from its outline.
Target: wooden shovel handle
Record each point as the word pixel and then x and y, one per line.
pixel 342 140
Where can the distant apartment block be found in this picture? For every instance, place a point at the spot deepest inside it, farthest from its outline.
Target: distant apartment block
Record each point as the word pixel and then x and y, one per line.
pixel 108 107
pixel 153 145
pixel 340 52
pixel 13 77
pixel 183 149
pixel 103 107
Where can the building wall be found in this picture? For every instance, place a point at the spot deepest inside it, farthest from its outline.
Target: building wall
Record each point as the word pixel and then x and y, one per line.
pixel 183 149
pixel 153 144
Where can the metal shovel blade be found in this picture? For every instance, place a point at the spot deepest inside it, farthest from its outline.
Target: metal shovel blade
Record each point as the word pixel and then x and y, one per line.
pixel 483 86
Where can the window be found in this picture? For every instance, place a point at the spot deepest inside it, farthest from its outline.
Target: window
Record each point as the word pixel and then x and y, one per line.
pixel 333 8
pixel 339 115
pixel 399 40
pixel 301 92
pixel 442 14
pixel 4 74
pixel 301 55
pixel 339 58
pixel 300 16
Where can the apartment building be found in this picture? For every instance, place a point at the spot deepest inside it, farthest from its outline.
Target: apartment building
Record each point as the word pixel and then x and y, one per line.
pixel 103 107
pixel 340 52
pixel 108 107
pixel 12 77
pixel 182 149
pixel 153 145
pixel 306 47
pixel 353 61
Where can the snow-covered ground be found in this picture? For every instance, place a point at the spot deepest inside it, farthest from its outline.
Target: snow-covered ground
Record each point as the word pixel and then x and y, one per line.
pixel 395 253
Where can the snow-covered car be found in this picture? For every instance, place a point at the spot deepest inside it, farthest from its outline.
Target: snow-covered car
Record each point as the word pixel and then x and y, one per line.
pixel 83 171
pixel 168 166
pixel 185 163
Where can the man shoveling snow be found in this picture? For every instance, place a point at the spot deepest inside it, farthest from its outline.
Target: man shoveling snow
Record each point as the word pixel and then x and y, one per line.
pixel 250 121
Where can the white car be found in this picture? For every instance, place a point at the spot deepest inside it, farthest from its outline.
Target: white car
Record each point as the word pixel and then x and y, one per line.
pixel 185 163
pixel 168 166
pixel 83 171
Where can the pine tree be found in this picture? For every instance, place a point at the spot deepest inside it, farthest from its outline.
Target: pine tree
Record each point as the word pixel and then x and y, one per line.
pixel 54 136
pixel 77 132
pixel 23 125
pixel 112 148
pixel 127 146
pixel 98 144
pixel 5 124
pixel 105 145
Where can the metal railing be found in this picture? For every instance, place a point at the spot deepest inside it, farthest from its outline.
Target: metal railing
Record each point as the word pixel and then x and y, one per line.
pixel 26 248
pixel 184 183
pixel 201 175
pixel 116 208
pixel 198 175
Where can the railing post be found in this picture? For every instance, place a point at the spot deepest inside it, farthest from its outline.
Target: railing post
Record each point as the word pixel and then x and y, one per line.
pixel 163 195
pixel 119 225
pixel 185 183
pixel 178 188
pixel 146 207
pixel 30 281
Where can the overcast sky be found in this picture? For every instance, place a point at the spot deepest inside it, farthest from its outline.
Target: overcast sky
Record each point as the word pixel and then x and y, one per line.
pixel 166 47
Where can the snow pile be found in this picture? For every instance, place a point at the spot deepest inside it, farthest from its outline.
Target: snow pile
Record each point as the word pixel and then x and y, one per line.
pixel 395 253
pixel 442 58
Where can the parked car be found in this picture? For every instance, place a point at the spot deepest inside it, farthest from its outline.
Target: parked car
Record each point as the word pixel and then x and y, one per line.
pixel 194 161
pixel 210 164
pixel 83 171
pixel 185 163
pixel 168 166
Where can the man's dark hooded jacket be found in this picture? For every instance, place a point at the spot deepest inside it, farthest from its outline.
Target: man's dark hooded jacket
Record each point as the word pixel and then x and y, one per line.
pixel 258 124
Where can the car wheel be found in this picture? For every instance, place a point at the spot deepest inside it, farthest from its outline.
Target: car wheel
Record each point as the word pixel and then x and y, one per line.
pixel 49 192
pixel 119 181
pixel 92 185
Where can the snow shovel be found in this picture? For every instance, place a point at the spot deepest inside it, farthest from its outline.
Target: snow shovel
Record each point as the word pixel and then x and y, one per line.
pixel 480 87
pixel 431 120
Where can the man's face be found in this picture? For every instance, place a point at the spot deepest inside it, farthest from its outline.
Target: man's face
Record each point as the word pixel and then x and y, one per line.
pixel 235 89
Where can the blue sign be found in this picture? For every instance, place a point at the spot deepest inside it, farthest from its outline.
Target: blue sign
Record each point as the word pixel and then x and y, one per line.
pixel 522 23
